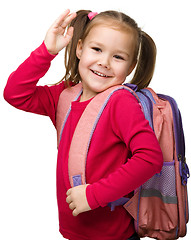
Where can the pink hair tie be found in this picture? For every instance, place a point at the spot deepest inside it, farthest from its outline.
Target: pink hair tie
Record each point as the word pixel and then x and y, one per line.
pixel 92 15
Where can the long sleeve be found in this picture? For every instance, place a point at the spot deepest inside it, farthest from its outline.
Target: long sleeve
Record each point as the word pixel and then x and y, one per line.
pixel 22 92
pixel 146 158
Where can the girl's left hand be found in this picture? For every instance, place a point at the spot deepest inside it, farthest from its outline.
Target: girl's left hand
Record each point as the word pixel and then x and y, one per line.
pixel 76 198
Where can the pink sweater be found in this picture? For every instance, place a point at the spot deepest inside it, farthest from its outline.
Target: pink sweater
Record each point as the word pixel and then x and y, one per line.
pixel 123 154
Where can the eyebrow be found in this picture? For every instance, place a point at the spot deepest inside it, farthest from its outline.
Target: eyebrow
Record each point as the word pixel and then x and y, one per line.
pixel 102 45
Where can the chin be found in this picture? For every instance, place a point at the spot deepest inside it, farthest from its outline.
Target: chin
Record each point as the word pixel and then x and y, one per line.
pixel 98 89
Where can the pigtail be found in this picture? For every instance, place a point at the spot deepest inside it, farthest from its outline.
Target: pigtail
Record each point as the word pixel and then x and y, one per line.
pixel 71 61
pixel 146 61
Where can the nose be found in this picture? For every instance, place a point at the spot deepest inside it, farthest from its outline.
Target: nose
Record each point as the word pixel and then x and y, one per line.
pixel 104 61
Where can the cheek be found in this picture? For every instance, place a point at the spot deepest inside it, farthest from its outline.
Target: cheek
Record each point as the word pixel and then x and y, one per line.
pixel 82 64
pixel 85 61
pixel 122 72
pixel 84 67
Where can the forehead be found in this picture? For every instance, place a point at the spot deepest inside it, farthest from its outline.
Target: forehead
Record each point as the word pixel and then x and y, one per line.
pixel 111 36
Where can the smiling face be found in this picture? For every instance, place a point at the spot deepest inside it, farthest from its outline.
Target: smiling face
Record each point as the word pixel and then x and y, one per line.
pixel 106 59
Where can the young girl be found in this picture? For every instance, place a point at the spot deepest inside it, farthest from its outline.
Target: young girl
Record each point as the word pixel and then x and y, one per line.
pixel 101 51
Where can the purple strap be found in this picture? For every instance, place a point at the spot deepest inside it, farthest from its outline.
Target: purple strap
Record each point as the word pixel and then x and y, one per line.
pixel 132 86
pixel 118 202
pixel 184 172
pixel 77 180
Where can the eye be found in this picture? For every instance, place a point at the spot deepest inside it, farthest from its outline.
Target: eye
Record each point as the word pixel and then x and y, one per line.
pixel 119 57
pixel 97 49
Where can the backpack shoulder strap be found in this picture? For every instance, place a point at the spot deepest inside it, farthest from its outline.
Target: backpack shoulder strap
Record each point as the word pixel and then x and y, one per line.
pixel 64 107
pixel 84 130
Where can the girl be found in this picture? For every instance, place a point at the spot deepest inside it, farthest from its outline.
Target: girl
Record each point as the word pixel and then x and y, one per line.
pixel 101 51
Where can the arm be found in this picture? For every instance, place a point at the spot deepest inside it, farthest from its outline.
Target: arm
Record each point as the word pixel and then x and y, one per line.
pixel 130 125
pixel 146 157
pixel 21 90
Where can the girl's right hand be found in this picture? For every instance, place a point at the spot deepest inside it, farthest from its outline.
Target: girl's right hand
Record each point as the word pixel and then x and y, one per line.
pixel 56 39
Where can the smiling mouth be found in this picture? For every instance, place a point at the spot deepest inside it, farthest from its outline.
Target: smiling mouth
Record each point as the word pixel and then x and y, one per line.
pixel 100 74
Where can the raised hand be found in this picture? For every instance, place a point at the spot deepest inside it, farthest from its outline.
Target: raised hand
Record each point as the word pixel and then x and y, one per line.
pixel 56 38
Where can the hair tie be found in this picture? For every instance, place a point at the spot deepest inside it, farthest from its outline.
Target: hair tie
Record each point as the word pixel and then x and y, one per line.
pixel 92 15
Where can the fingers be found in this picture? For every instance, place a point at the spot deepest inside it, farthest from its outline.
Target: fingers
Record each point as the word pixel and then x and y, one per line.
pixel 68 192
pixel 69 198
pixel 62 16
pixel 71 204
pixel 75 212
pixel 69 35
pixel 65 19
pixel 76 199
pixel 56 39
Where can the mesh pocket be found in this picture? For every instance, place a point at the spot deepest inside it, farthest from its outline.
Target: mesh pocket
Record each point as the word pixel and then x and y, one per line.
pixel 162 185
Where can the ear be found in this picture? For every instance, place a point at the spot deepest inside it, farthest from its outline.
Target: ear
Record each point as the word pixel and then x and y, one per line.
pixel 131 67
pixel 79 49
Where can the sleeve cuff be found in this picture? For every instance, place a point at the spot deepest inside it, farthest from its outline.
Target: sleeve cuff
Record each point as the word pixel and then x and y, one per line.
pixel 91 197
pixel 47 52
pixel 41 57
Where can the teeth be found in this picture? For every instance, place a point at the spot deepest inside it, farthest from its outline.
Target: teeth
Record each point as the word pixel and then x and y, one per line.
pixel 99 74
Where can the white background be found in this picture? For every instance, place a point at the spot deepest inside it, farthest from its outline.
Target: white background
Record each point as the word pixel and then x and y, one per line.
pixel 28 207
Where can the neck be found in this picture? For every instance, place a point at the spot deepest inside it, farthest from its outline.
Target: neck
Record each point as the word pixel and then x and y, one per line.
pixel 84 98
pixel 87 95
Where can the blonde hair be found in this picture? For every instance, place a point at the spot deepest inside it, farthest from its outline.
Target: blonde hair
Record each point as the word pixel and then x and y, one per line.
pixel 145 50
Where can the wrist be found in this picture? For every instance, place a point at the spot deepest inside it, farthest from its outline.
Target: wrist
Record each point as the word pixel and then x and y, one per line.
pixel 48 50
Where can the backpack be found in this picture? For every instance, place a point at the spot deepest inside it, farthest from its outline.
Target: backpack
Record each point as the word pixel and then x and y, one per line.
pixel 160 206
